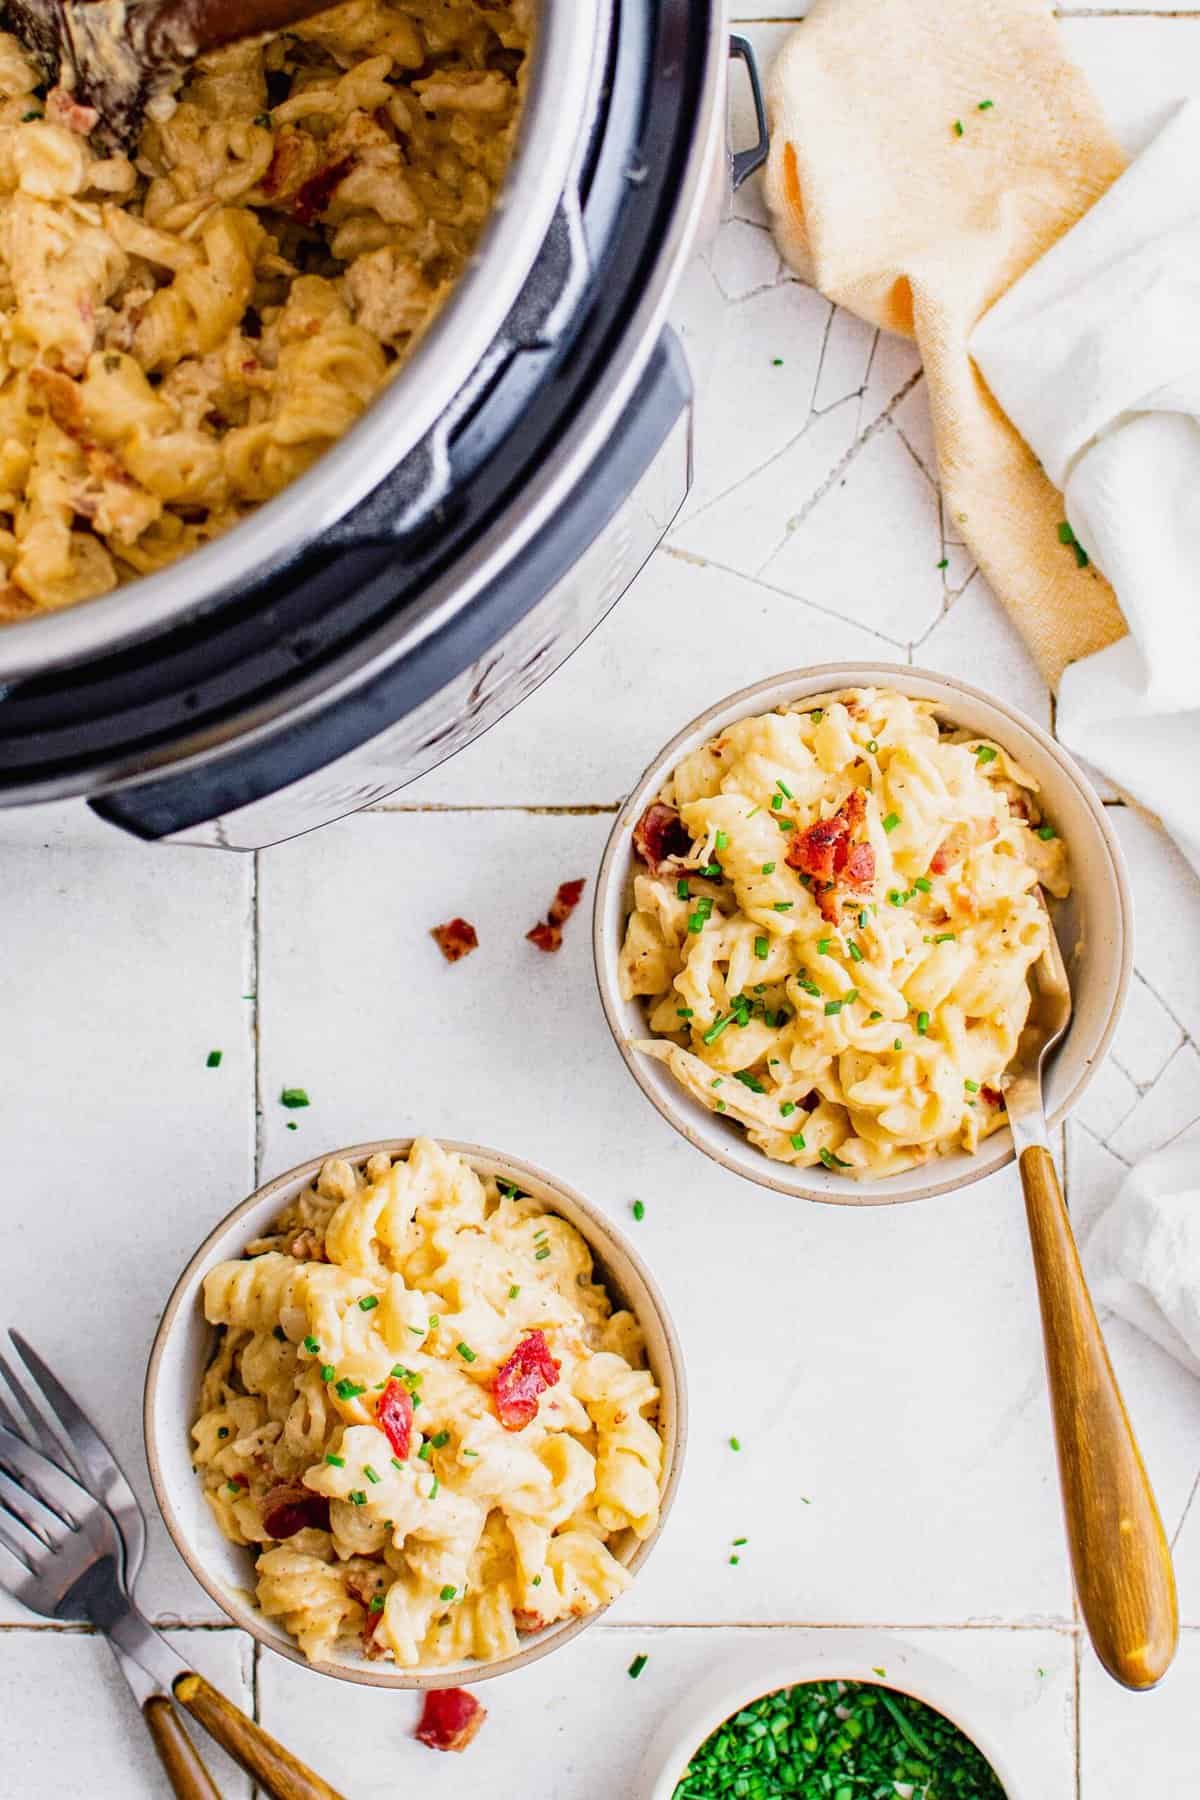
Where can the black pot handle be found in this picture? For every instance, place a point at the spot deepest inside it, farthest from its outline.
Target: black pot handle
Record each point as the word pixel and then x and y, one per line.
pixel 746 161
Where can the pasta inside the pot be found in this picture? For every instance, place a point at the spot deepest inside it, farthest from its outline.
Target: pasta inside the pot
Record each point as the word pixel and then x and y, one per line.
pixel 184 332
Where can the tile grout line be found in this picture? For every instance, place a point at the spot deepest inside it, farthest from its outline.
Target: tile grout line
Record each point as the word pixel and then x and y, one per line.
pixel 595 810
pixel 257 1128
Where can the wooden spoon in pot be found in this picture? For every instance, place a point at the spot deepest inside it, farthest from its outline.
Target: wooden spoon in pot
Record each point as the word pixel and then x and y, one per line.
pixel 117 56
pixel 1119 1551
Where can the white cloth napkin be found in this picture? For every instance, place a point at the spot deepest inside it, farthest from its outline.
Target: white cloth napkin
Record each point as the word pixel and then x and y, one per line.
pixel 1143 1253
pixel 1094 354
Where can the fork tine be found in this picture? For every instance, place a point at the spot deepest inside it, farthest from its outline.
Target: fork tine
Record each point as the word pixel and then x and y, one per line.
pixel 23 1515
pixel 58 1494
pixel 28 1420
pixel 89 1455
pixel 15 1573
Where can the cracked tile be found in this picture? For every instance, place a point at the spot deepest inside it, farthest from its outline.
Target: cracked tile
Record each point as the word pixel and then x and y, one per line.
pixel 845 359
pixel 1108 1102
pixel 1172 1104
pixel 744 528
pixel 869 548
pixel 894 364
pixel 976 641
pixel 744 259
pixel 912 420
pixel 1147 1036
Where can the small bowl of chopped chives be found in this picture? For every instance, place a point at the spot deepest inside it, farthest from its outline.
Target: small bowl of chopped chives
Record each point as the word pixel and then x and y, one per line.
pixel 816 921
pixel 850 1716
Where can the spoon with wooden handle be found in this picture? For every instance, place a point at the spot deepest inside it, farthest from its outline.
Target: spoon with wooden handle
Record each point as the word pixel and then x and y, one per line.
pixel 118 56
pixel 1119 1552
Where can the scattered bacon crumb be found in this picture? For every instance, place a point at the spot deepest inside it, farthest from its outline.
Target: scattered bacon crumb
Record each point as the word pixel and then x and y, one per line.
pixel 307 1246
pixel 290 1507
pixel 62 109
pixel 547 933
pixel 450 1720
pixel 827 851
pixel 519 1382
pixel 456 939
pixel 659 834
pixel 394 1417
pixel 315 194
pixel 527 1621
pixel 992 1095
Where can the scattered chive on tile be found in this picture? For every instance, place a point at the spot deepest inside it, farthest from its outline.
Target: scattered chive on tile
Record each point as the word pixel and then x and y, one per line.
pixel 636 1666
pixel 213 1059
pixel 734 1444
pixel 639 1210
pixel 945 563
pixel 986 105
pixel 294 1097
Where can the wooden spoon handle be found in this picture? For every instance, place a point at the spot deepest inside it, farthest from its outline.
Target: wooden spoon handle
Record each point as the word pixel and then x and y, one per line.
pixel 1119 1551
pixel 279 1772
pixel 179 1756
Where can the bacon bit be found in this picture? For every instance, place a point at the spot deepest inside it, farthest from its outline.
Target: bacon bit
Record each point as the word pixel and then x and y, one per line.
pixel 291 1507
pixel 811 1101
pixel 308 1247
pixel 394 1417
pixel 315 194
pixel 952 849
pixel 826 850
pixel 518 1383
pixel 371 1648
pixel 992 1095
pixel 450 1720
pixel 660 834
pixel 527 1621
pixel 547 933
pixel 456 939
pixel 62 110
pixel 859 870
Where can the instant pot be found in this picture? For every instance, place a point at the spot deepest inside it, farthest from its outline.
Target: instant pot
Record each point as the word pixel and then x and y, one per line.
pixel 453 549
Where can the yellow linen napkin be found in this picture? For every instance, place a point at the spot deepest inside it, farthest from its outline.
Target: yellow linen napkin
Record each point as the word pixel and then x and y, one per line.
pixel 901 195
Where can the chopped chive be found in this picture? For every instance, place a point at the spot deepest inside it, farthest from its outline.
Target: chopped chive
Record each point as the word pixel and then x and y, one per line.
pixel 713 870
pixel 311 1345
pixel 356 1497
pixel 682 889
pixel 717 1081
pixel 370 1474
pixel 784 905
pixel 722 840
pixel 923 884
pixel 213 1059
pixel 797 1141
pixel 873 1016
pixel 738 1542
pixel 986 105
pixel 234 1487
pixel 720 1106
pixel 447 1593
pixel 945 563
pixel 638 1210
pixel 832 1007
pixel 292 1125
pixel 750 1081
pixel 717 1027
pixel 862 921
pixel 1046 832
pixel 785 790
pixel 368 1303
pixel 823 946
pixel 768 868
pixel 808 985
pixel 735 1560
pixel 984 753
pixel 434 1488
pixel 327 1371
pixel 896 1044
pixel 513 1291
pixel 891 822
pixel 683 1012
pixel 348 1390
pixel 377 1603
pixel 872 747
pixel 945 937
pixel 761 948
pixel 465 1351
pixel 817 714
pixel 958 127
pixel 850 996
pixel 734 1444
pixel 895 897
pixel 294 1097
pixel 776 802
pixel 440 1440
pixel 338 1462
pixel 396 1463
pixel 922 1023
pixel 972 1087
pixel 636 1666
pixel 787 1108
pixel 856 954
pixel 425 1452
pixel 541 1256
pixel 696 921
pixel 831 1161
pixel 786 824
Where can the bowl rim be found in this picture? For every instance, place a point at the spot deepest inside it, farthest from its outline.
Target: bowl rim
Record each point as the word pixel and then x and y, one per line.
pixel 831 1653
pixel 246 1615
pixel 617 859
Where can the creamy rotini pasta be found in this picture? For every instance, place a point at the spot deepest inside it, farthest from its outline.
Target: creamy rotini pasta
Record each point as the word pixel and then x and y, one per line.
pixel 424 1416
pixel 834 925
pixel 183 332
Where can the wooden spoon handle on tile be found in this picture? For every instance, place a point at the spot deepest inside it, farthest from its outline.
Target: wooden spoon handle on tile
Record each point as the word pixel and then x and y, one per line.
pixel 274 1768
pixel 179 1756
pixel 1119 1551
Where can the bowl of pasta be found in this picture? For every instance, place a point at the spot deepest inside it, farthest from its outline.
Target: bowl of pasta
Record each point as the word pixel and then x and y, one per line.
pixel 816 919
pixel 415 1413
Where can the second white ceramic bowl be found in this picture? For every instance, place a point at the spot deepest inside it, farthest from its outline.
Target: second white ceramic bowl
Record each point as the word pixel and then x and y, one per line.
pixel 1095 928
pixel 183 1345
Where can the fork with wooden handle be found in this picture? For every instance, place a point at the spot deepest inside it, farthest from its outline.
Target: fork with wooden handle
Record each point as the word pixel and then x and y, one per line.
pixel 61 1554
pixel 116 56
pixel 1119 1552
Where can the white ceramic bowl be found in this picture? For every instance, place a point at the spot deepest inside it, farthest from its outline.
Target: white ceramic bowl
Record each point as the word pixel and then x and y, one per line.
pixel 830 1656
pixel 183 1345
pixel 1095 929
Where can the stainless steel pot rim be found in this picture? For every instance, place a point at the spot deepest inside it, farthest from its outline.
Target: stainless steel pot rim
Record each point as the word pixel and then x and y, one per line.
pixel 569 54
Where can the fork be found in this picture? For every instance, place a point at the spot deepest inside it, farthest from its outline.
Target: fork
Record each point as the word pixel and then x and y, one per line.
pixel 62 1555
pixel 1119 1552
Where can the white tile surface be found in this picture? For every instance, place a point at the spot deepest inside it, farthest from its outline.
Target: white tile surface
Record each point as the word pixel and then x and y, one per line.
pixel 69 1725
pixel 575 1727
pixel 882 1372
